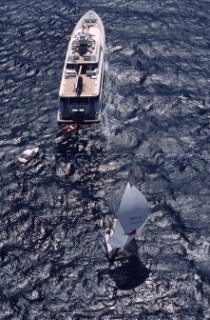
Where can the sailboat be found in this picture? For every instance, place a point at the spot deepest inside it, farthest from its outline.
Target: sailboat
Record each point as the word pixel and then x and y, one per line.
pixel 132 217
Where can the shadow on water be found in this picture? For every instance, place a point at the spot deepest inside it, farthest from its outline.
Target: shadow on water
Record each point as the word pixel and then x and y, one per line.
pixel 127 270
pixel 66 142
pixel 72 152
pixel 78 155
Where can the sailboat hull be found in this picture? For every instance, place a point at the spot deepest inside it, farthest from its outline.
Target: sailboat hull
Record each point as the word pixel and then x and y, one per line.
pixel 108 235
pixel 121 240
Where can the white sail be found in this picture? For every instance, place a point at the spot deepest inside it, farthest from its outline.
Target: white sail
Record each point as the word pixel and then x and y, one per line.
pixel 132 216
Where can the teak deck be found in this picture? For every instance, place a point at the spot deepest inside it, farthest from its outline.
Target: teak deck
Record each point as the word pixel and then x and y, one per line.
pixel 88 88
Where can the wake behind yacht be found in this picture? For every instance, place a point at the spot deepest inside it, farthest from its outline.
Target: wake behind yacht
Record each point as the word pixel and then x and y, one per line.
pixel 82 79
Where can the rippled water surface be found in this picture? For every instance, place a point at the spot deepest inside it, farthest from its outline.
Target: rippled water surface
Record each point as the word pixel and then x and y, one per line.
pixel 54 207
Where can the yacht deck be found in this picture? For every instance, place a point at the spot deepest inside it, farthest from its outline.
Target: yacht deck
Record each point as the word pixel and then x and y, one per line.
pixel 81 85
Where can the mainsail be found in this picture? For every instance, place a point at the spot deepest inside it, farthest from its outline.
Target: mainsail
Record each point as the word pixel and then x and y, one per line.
pixel 132 216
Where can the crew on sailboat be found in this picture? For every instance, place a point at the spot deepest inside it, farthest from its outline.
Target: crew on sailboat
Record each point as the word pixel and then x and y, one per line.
pixel 132 233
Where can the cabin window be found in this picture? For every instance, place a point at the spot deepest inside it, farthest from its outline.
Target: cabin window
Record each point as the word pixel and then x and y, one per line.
pixel 64 101
pixel 93 66
pixel 84 69
pixel 77 101
pixel 69 66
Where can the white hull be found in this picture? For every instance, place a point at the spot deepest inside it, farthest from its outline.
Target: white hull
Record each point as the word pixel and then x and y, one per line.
pixel 108 238
pixel 82 79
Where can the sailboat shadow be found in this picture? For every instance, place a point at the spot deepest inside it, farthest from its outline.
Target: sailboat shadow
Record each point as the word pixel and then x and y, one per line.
pixel 126 269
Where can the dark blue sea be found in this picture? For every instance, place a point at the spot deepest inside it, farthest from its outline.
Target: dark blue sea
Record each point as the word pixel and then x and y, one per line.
pixel 55 204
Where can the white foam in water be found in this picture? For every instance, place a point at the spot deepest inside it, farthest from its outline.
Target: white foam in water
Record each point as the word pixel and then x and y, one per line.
pixel 131 120
pixel 28 154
